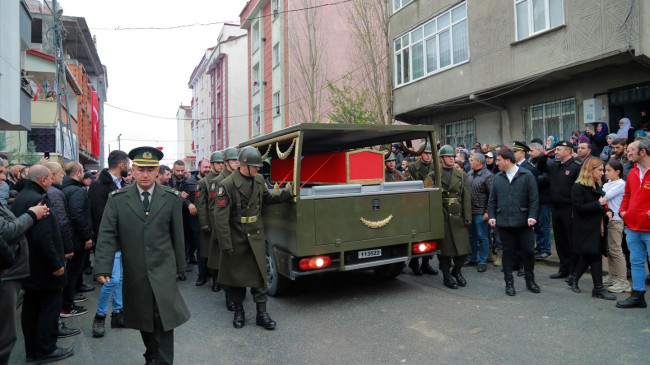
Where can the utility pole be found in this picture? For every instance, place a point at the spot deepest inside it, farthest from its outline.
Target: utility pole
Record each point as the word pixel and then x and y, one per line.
pixel 119 143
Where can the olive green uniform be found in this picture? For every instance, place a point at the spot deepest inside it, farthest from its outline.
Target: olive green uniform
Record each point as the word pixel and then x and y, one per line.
pixel 418 170
pixel 205 211
pixel 153 252
pixel 214 255
pixel 241 236
pixel 395 175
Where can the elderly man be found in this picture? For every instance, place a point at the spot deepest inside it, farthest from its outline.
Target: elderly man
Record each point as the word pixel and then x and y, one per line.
pixel 43 300
pixel 543 226
pixel 145 222
pixel 480 183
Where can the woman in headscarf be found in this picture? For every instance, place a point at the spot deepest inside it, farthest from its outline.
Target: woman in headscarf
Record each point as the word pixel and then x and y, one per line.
pixel 624 126
pixel 551 141
pixel 599 136
pixel 606 153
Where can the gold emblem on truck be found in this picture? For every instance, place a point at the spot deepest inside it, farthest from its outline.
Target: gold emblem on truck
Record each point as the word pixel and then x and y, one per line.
pixel 376 224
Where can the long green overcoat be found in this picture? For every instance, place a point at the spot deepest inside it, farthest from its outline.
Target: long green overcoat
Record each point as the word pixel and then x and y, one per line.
pixel 205 210
pixel 246 265
pixel 214 253
pixel 153 252
pixel 419 171
pixel 456 241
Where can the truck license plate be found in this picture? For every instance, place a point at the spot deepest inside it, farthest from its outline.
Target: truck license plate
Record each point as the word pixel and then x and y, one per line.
pixel 369 253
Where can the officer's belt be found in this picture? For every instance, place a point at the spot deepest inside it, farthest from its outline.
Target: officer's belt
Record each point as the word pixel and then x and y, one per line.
pixel 451 200
pixel 246 220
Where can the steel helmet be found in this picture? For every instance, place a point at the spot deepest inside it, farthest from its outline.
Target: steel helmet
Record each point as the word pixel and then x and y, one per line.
pixel 427 149
pixel 447 150
pixel 390 158
pixel 250 156
pixel 216 157
pixel 230 154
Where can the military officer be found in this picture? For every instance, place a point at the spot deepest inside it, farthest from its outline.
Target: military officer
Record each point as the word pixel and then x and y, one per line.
pixel 240 230
pixel 145 221
pixel 457 211
pixel 205 195
pixel 419 170
pixel 231 163
pixel 392 174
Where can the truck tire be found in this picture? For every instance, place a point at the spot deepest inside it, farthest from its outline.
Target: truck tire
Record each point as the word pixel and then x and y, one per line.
pixel 390 271
pixel 277 284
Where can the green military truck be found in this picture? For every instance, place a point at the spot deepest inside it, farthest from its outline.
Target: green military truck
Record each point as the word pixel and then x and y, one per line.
pixel 344 216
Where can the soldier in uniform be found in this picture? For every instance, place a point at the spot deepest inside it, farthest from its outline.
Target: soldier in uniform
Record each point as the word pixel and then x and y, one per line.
pixel 240 230
pixel 562 175
pixel 392 174
pixel 419 170
pixel 457 211
pixel 231 163
pixel 145 221
pixel 205 195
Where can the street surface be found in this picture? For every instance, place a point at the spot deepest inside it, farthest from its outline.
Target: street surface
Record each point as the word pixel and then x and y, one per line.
pixel 354 318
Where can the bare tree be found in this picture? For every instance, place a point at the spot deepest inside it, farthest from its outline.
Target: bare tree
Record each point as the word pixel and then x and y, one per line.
pixel 371 46
pixel 307 80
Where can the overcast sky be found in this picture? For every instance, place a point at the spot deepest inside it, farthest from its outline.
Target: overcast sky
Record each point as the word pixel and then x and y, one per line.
pixel 148 70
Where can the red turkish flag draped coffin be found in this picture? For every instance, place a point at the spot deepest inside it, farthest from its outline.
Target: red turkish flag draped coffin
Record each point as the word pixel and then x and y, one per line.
pixel 94 150
pixel 364 167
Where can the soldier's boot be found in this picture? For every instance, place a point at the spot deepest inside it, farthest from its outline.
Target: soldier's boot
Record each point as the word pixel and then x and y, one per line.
pixel 498 260
pixel 263 319
pixel 574 284
pixel 449 281
pixel 230 304
pixel 458 276
pixel 117 320
pixel 202 278
pixel 216 287
pixel 415 267
pixel 240 317
pixel 636 300
pixel 531 284
pixel 426 267
pixel 99 326
pixel 510 285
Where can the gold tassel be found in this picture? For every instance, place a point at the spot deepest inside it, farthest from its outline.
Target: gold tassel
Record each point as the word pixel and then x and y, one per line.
pixel 428 182
pixel 276 189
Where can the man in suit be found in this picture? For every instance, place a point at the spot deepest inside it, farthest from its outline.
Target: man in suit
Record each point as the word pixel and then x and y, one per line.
pixel 145 221
pixel 238 221
pixel 513 208
pixel 419 170
pixel 457 211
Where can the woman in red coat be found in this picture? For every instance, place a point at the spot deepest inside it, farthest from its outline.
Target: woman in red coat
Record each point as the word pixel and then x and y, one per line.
pixel 590 226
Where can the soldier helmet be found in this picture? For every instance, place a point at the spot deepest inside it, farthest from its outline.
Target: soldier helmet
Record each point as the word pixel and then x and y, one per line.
pixel 230 154
pixel 427 148
pixel 447 150
pixel 390 158
pixel 250 156
pixel 216 156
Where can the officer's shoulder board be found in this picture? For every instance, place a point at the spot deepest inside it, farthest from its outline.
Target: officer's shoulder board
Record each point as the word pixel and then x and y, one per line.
pixel 118 191
pixel 577 162
pixel 173 191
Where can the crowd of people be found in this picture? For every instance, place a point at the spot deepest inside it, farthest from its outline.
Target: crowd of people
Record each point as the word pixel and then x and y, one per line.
pixel 152 223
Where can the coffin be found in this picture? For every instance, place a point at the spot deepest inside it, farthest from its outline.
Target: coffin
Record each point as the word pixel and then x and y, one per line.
pixel 364 167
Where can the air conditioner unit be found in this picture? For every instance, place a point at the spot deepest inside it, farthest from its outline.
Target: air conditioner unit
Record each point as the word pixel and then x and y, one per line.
pixel 593 110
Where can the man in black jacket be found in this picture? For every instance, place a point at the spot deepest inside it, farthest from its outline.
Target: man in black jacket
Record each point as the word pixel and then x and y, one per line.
pixel 543 226
pixel 82 234
pixel 109 179
pixel 192 228
pixel 42 300
pixel 513 208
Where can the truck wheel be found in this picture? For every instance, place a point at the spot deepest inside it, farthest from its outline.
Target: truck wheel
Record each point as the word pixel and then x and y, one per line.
pixel 276 284
pixel 389 271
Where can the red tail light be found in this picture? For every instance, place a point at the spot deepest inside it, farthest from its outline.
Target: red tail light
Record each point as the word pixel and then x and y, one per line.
pixel 314 263
pixel 424 247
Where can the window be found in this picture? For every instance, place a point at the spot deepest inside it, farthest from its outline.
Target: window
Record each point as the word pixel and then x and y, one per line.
pixel 275 6
pixel 255 79
pixel 460 132
pixel 257 126
pixel 441 43
pixel 535 16
pixel 398 4
pixel 557 118
pixel 276 104
pixel 276 54
pixel 255 36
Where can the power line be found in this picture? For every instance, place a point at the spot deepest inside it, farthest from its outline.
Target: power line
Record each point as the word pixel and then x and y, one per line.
pixel 226 22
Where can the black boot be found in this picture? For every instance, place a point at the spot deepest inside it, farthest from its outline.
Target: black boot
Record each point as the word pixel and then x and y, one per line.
pixel 510 285
pixel 415 267
pixel 574 285
pixel 521 271
pixel 559 275
pixel 239 317
pixel 458 276
pixel 569 279
pixel 263 319
pixel 449 281
pixel 636 300
pixel 117 320
pixel 201 279
pixel 99 326
pixel 426 267
pixel 531 284
pixel 216 287
pixel 601 292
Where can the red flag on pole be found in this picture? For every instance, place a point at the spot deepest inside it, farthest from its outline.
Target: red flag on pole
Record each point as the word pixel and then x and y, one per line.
pixel 94 150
